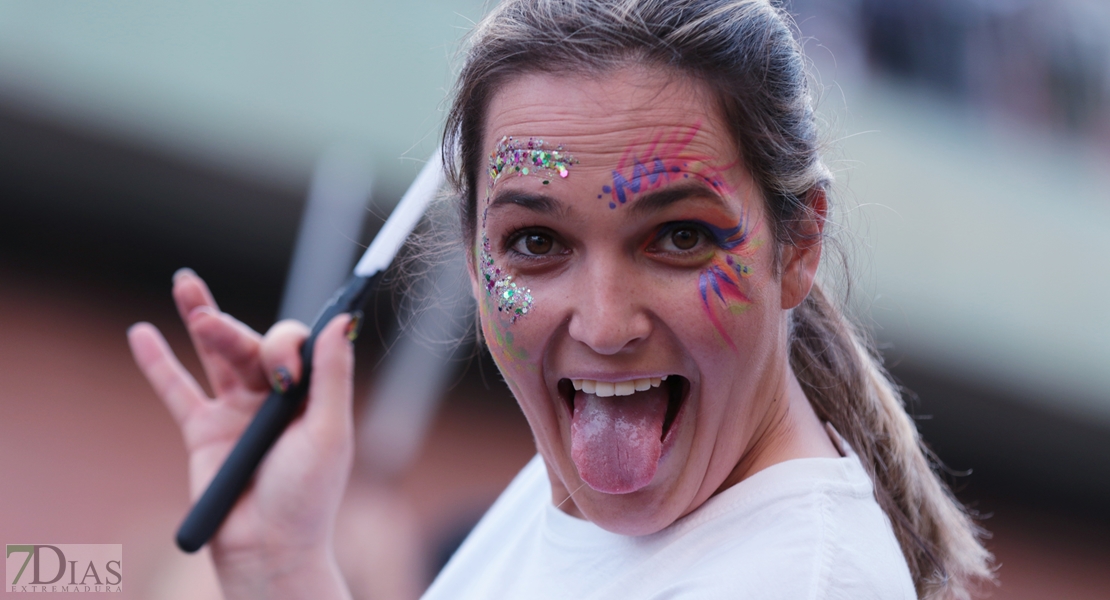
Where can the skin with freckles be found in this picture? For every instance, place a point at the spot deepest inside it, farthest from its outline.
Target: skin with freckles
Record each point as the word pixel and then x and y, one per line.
pixel 680 280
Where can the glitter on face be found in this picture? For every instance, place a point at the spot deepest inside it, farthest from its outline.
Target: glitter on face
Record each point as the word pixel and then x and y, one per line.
pixel 510 299
pixel 530 157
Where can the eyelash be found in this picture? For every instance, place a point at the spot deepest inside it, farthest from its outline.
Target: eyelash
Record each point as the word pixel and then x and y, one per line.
pixel 669 228
pixel 511 239
pixel 515 235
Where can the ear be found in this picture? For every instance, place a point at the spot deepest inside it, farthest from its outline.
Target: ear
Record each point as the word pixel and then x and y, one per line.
pixel 802 255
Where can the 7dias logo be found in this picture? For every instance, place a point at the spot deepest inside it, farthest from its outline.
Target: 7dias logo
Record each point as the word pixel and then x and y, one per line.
pixel 63 568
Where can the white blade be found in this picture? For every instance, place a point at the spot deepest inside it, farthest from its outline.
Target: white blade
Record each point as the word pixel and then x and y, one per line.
pixel 403 220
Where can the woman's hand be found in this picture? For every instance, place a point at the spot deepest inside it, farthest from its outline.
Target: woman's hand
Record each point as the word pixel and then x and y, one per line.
pixel 277 539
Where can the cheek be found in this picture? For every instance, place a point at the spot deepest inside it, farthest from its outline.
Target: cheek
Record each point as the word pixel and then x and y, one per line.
pixel 512 300
pixel 500 335
pixel 503 304
pixel 730 286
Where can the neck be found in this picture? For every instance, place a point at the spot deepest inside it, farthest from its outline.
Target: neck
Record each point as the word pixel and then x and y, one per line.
pixel 789 430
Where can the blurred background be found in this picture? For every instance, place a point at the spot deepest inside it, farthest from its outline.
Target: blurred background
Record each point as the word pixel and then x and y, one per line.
pixel 262 144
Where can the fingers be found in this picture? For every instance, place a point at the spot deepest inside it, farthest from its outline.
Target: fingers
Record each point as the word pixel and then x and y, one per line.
pixel 281 353
pixel 190 291
pixel 171 381
pixel 328 416
pixel 228 349
pixel 231 349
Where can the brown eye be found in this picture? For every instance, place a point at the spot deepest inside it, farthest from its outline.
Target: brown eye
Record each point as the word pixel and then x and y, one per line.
pixel 537 244
pixel 685 238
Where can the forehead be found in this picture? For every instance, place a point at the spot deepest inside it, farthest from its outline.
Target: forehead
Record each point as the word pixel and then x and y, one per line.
pixel 600 118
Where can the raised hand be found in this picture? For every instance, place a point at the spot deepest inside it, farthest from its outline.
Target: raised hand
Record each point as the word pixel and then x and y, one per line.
pixel 277 538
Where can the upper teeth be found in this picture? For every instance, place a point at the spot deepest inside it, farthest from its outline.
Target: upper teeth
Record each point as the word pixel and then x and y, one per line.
pixel 616 388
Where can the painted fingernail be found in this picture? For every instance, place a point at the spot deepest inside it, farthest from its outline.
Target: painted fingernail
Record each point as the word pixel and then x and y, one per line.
pixel 281 380
pixel 354 325
pixel 182 272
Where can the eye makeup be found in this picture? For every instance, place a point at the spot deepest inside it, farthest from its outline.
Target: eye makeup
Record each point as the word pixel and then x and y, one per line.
pixel 509 298
pixel 725 238
pixel 719 282
pixel 521 157
pixel 729 238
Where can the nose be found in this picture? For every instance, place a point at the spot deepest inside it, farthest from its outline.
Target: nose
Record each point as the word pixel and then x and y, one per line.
pixel 608 314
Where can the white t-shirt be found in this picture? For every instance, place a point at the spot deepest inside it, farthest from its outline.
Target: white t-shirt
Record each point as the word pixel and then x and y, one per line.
pixel 806 528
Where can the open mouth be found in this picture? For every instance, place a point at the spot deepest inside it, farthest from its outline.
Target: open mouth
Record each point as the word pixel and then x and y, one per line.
pixel 676 387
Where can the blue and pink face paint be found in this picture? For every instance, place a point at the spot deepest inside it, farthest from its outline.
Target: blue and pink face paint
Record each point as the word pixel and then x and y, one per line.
pixel 719 283
pixel 666 158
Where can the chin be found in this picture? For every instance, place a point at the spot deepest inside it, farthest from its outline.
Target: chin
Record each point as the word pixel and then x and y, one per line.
pixel 642 512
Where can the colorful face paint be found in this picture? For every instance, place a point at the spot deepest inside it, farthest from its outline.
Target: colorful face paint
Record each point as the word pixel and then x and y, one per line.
pixel 500 341
pixel 510 299
pixel 531 157
pixel 719 283
pixel 665 160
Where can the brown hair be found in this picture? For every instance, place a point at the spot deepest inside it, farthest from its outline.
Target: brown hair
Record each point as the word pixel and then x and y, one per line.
pixel 745 52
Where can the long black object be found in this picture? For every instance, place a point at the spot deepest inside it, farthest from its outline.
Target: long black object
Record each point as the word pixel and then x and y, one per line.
pixel 268 423
pixel 278 410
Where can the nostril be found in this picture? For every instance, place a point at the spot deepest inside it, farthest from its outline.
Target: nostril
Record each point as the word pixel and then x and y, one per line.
pixel 609 322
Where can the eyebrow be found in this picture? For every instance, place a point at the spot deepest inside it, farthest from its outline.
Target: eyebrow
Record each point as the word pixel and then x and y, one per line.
pixel 648 202
pixel 657 200
pixel 540 203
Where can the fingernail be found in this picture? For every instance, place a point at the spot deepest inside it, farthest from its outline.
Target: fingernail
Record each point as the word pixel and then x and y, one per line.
pixel 199 310
pixel 182 272
pixel 281 380
pixel 354 325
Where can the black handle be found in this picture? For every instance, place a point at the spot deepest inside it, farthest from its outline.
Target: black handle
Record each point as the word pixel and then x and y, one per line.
pixel 272 418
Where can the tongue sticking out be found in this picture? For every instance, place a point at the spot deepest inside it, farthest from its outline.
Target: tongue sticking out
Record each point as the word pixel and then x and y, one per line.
pixel 616 441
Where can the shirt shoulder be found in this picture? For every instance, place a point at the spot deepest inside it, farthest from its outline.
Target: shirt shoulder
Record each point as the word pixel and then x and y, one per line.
pixel 802 529
pixel 807 528
pixel 499 542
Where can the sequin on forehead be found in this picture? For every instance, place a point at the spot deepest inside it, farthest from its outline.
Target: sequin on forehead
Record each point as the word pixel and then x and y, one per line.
pixel 531 157
pixel 511 299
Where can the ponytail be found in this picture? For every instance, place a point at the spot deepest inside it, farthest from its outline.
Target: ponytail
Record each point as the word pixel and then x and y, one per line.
pixel 845 381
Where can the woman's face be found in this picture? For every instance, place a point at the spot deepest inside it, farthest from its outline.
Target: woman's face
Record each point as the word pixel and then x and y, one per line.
pixel 627 290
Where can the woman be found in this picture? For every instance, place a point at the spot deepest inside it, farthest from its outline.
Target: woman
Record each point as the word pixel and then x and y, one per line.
pixel 641 189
